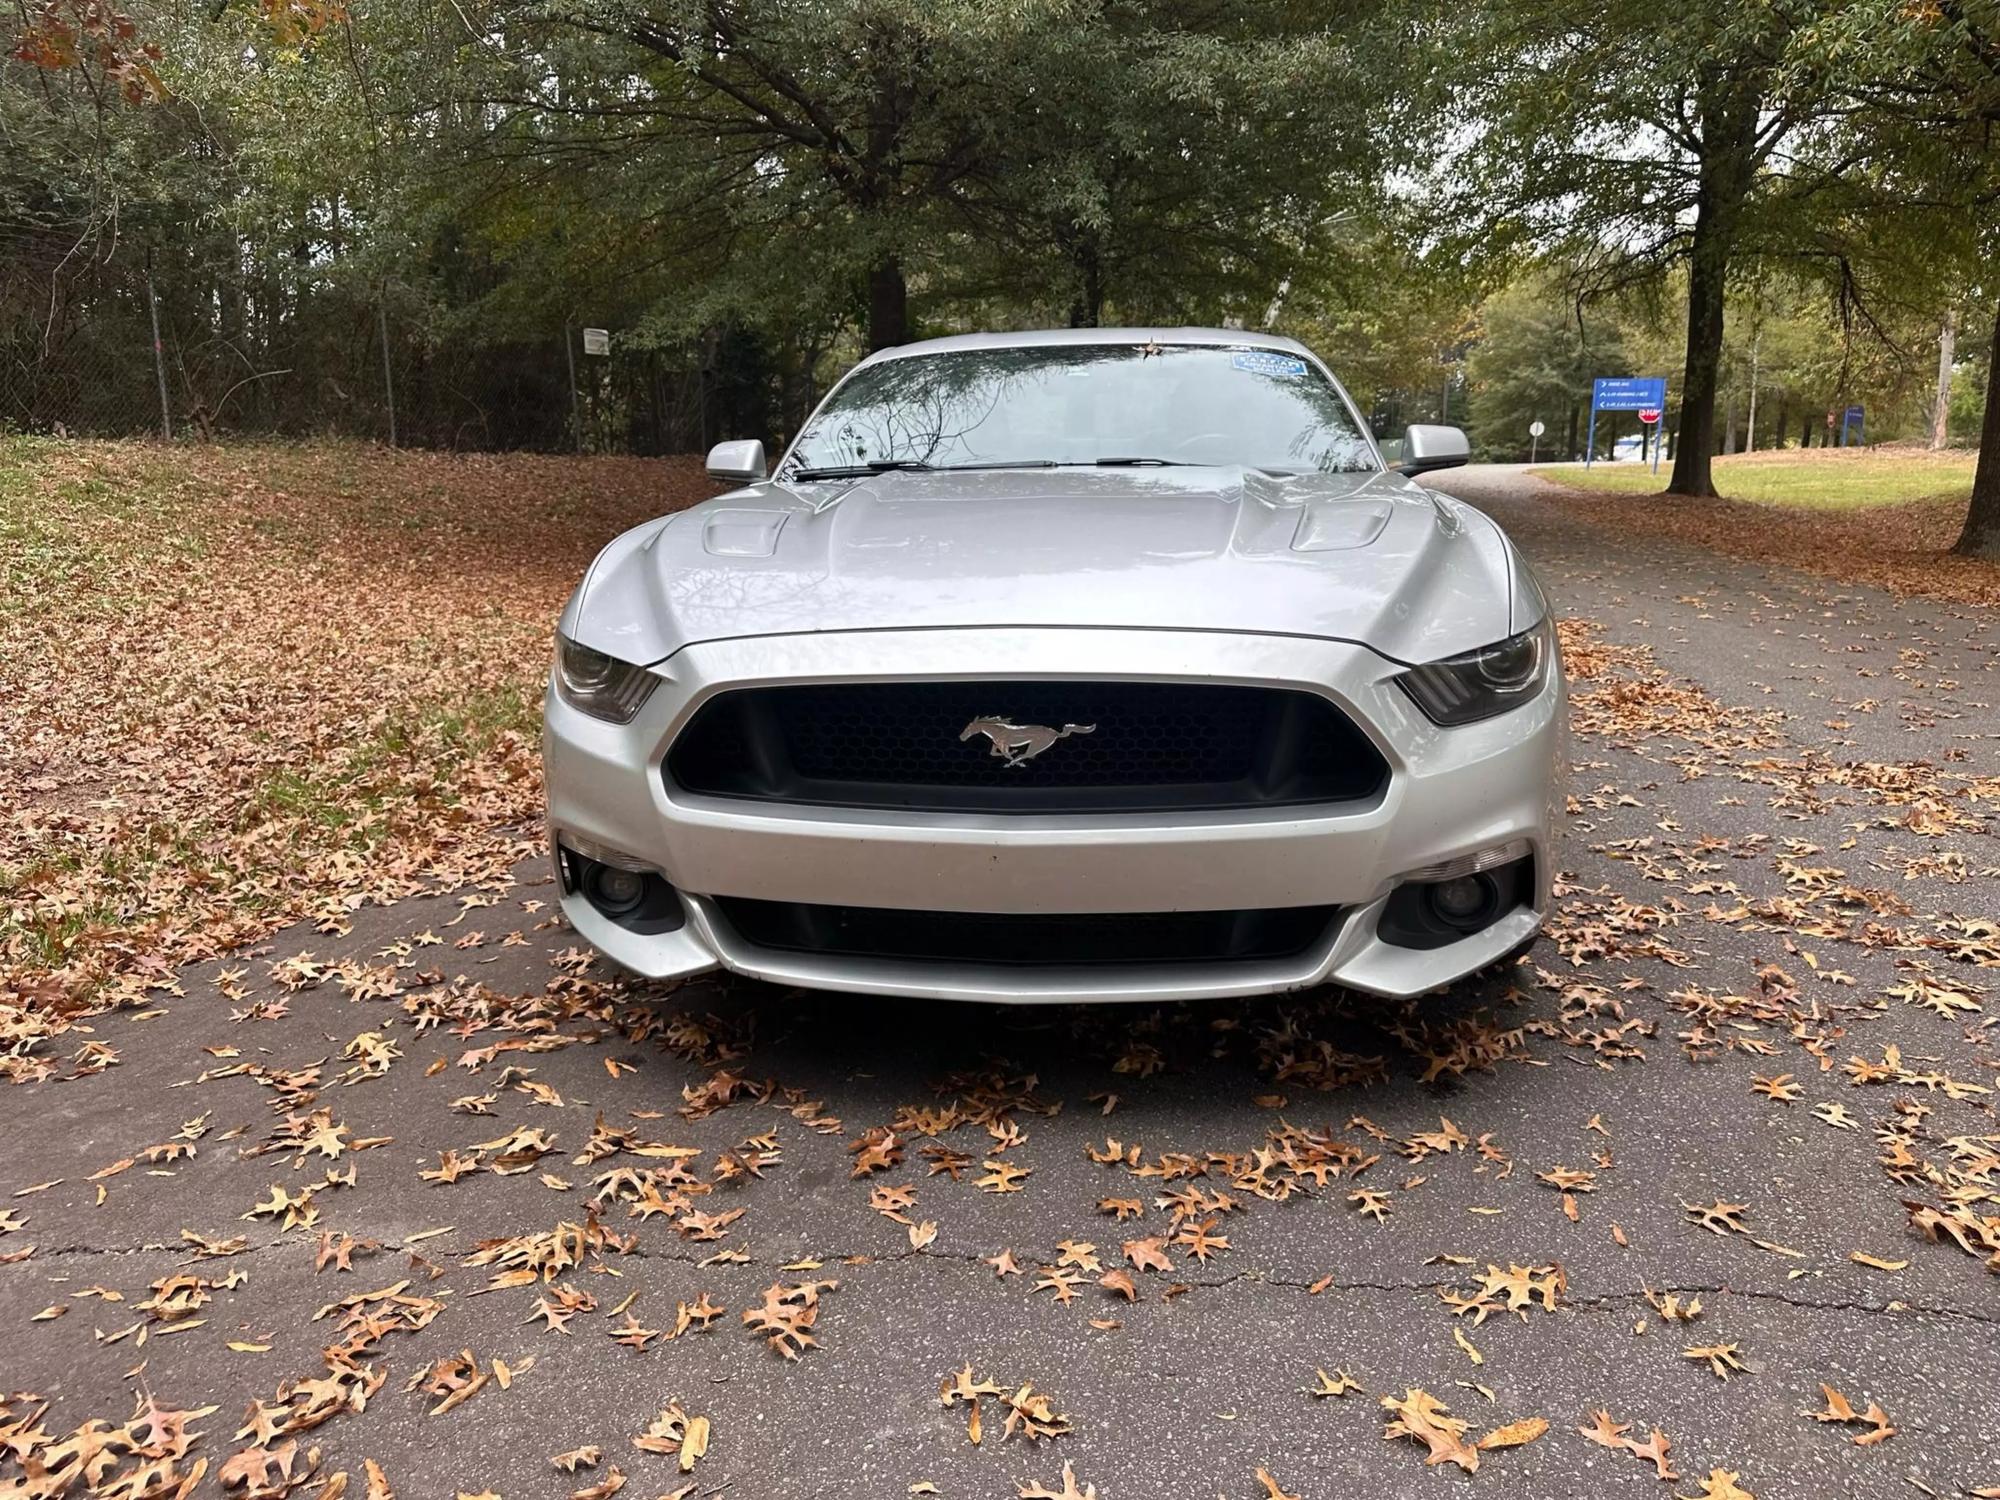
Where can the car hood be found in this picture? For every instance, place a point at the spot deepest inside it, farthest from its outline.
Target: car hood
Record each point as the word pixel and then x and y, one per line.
pixel 1370 558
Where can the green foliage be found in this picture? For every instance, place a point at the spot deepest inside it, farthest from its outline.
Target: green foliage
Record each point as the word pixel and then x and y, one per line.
pixel 1055 157
pixel 1536 357
pixel 1392 320
pixel 1498 201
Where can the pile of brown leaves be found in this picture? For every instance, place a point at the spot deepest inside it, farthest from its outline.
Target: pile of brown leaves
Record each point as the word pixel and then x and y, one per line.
pixel 1903 548
pixel 243 685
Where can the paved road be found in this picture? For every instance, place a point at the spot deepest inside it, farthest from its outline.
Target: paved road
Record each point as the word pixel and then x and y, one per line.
pixel 1778 822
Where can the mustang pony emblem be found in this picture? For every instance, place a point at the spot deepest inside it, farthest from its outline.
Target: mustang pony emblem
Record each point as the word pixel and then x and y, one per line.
pixel 1017 744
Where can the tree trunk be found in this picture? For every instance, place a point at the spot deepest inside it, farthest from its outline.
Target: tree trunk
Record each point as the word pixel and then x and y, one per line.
pixel 1728 135
pixel 1569 443
pixel 888 305
pixel 1941 414
pixel 1981 537
pixel 1086 309
pixel 1695 451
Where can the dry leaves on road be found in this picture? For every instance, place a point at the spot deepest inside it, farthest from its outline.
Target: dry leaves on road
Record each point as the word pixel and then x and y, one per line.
pixel 597 1218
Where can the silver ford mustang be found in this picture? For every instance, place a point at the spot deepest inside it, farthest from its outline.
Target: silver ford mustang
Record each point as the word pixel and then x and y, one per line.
pixel 1087 665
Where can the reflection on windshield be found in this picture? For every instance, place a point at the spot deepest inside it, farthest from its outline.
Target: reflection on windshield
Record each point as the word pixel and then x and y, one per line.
pixel 1085 404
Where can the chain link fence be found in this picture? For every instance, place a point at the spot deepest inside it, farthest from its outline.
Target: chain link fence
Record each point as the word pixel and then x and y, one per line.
pixel 109 337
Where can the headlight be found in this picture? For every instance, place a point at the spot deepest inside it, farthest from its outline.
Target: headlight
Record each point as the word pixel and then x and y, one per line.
pixel 1482 683
pixel 602 686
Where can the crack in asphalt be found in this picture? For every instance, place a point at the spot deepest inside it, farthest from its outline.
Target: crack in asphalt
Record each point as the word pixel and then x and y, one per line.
pixel 1254 1278
pixel 1605 1300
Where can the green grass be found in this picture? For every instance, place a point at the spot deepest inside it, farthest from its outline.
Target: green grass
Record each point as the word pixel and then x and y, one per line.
pixel 62 531
pixel 436 740
pixel 346 805
pixel 1818 480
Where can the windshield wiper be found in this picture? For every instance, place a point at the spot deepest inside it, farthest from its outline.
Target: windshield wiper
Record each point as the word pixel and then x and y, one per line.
pixel 862 471
pixel 1143 463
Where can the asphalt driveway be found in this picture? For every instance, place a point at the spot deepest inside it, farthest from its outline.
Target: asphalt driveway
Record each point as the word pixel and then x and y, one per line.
pixel 469 1170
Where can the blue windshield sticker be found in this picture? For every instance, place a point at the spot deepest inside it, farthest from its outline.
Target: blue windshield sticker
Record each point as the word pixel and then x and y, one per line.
pixel 1267 362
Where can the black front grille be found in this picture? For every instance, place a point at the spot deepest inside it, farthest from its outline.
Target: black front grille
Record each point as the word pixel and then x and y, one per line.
pixel 1035 940
pixel 1128 747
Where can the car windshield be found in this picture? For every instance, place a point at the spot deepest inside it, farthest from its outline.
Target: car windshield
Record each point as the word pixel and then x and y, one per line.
pixel 1050 404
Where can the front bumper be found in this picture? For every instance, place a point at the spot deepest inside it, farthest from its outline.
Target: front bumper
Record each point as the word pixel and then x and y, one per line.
pixel 1451 792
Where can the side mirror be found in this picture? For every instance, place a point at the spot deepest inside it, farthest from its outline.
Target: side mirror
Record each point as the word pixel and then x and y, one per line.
pixel 743 463
pixel 1427 446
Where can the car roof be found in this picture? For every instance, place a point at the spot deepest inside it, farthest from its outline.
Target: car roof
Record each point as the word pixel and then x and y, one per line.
pixel 1237 338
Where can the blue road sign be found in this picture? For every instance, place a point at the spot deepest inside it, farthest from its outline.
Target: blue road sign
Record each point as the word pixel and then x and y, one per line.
pixel 1626 393
pixel 1850 422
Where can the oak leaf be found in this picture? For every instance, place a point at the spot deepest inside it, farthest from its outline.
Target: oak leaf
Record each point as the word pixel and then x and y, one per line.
pixel 1062 1283
pixel 1420 1416
pixel 1719 1217
pixel 1839 1409
pixel 1339 1384
pixel 1723 1359
pixel 1069 1490
pixel 1608 1433
pixel 1003 1177
pixel 676 1434
pixel 1032 1414
pixel 787 1314
pixel 1721 1485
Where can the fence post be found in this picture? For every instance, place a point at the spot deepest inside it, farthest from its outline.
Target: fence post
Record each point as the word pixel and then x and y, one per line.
pixel 159 356
pixel 575 401
pixel 388 375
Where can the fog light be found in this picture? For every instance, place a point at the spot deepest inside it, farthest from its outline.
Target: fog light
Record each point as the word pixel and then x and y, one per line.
pixel 602 854
pixel 614 891
pixel 1450 908
pixel 1472 864
pixel 1465 902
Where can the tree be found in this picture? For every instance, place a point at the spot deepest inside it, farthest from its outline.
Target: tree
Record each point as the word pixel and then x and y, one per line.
pixel 1534 360
pixel 1391 318
pixel 1169 154
pixel 1633 138
pixel 1185 161
pixel 1926 119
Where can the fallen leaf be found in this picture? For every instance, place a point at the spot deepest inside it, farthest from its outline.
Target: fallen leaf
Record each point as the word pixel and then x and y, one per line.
pixel 1515 1434
pixel 1420 1416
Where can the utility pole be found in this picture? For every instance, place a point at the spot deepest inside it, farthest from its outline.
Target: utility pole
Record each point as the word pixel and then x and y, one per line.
pixel 1941 413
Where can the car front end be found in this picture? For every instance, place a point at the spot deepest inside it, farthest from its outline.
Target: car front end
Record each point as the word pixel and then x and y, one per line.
pixel 1060 736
